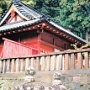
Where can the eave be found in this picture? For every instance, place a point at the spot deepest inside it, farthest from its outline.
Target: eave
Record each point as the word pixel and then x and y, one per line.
pixel 41 24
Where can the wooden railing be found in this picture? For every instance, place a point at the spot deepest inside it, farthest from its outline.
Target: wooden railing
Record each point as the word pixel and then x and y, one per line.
pixel 66 60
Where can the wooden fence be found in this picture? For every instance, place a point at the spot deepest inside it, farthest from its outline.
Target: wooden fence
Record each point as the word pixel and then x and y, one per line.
pixel 66 60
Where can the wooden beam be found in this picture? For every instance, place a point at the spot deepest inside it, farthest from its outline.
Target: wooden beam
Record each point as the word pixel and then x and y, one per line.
pixel 19 30
pixel 43 24
pixel 54 30
pixel 61 33
pixel 29 28
pixel 67 36
pixel 64 35
pixel 57 32
pixel 38 26
pixel 33 27
pixel 14 32
pixel 47 27
pixel 0 34
pixel 24 29
pixel 4 33
pixel 9 32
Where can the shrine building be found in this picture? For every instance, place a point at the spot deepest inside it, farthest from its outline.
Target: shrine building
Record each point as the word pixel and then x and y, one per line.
pixel 24 25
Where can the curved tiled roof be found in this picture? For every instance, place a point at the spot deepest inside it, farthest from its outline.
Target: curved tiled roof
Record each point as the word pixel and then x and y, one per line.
pixel 23 10
pixel 36 18
pixel 27 11
pixel 18 25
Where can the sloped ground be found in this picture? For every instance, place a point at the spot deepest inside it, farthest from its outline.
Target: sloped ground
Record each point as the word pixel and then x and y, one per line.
pixel 74 79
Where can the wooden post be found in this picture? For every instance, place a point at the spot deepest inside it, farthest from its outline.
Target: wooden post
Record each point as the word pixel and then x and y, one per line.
pixel 42 63
pixel 37 64
pixel 63 64
pixel 4 66
pixel 8 66
pixel 66 61
pixel 1 66
pixel 79 60
pixel 72 65
pixel 47 63
pixel 17 65
pixel 24 62
pixel 27 63
pixel 12 65
pixel 21 65
pixel 59 62
pixel 86 60
pixel 53 63
pixel 32 63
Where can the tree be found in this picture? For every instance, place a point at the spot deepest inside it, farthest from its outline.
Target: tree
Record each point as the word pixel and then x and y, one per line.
pixel 3 6
pixel 73 14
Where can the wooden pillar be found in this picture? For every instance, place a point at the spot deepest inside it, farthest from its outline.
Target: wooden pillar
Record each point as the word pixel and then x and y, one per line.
pixel 32 62
pixel 72 65
pixel 79 60
pixel 42 63
pixel 27 63
pixel 63 64
pixel 37 64
pixel 8 66
pixel 86 60
pixel 21 65
pixel 17 65
pixel 47 63
pixel 59 62
pixel 53 63
pixel 12 65
pixel 66 61
pixel 1 66
pixel 4 66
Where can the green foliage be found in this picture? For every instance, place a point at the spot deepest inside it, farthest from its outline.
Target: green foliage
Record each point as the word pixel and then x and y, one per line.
pixel 3 6
pixel 73 14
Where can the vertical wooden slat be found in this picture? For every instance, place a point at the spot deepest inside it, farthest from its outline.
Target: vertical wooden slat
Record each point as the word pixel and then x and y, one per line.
pixel 17 65
pixel 37 64
pixel 59 62
pixel 27 63
pixel 63 64
pixel 13 68
pixel 1 66
pixel 42 63
pixel 4 66
pixel 32 63
pixel 66 61
pixel 72 64
pixel 47 63
pixel 79 60
pixel 8 66
pixel 86 58
pixel 53 63
pixel 22 65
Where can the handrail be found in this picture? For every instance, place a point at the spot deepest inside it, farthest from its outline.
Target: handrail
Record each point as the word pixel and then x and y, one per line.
pixel 64 60
pixel 69 51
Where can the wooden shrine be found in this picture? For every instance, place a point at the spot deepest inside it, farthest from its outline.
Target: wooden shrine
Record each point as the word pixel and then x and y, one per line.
pixel 25 25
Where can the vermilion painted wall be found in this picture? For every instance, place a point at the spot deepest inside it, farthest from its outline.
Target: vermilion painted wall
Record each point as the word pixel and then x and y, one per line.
pixel 39 44
pixel 13 49
pixel 1 47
